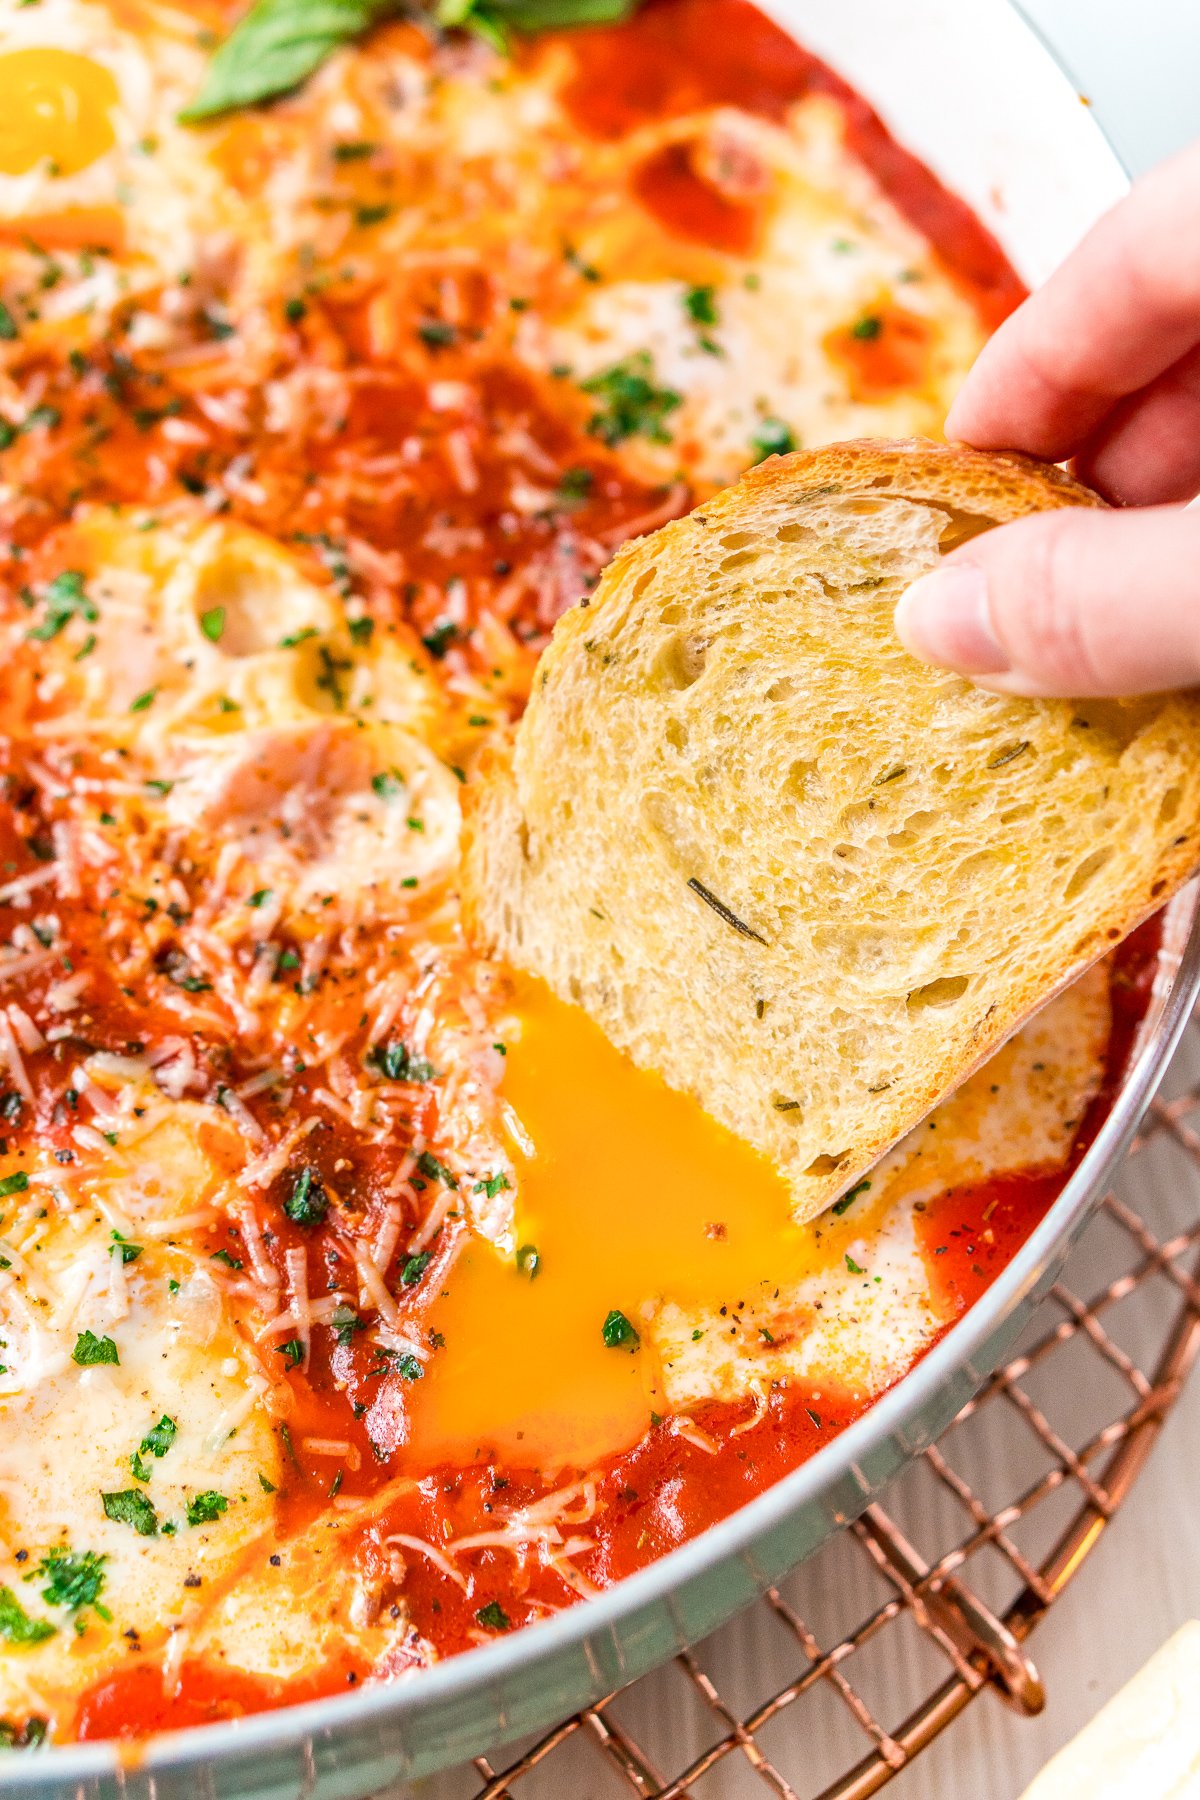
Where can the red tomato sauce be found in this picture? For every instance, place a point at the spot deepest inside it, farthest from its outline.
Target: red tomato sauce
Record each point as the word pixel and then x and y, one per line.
pixel 678 56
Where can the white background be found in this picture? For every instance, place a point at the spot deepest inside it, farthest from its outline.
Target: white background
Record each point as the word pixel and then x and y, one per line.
pixel 1138 61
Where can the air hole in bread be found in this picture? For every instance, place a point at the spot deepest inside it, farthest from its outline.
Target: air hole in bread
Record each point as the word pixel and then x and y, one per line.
pixel 738 560
pixel 676 734
pixel 738 540
pixel 825 1164
pixel 942 992
pixel 783 689
pixel 971 868
pixel 643 582
pixel 1087 870
pixel 1169 805
pixel 680 662
pixel 796 534
pixel 799 779
pixel 671 615
pixel 1116 723
pixel 960 528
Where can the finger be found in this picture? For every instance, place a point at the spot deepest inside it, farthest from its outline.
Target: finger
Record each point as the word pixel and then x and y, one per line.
pixel 1123 307
pixel 1148 450
pixel 1072 603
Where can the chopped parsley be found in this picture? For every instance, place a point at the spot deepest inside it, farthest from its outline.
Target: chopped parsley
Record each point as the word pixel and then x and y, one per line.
pixel 491 1185
pixel 868 328
pixel 212 623
pixel 436 333
pixel 293 1350
pixel 16 1626
pixel 144 702
pixel 345 1322
pixel 260 897
pixel 408 1366
pixel 177 969
pixel 132 1508
pixel 630 405
pixel 848 1198
pixel 700 305
pixel 227 1258
pixel 8 325
pixel 128 1252
pixel 436 1171
pixel 618 1333
pixel 65 598
pixel 439 640
pixel 397 1062
pixel 91 1350
pixel 308 1202
pixel 493 1617
pixel 529 1260
pixel 74 1578
pixel 18 1183
pixel 576 483
pixel 156 1443
pixel 415 1267
pixel 205 1509
pixel 387 784
pixel 854 1268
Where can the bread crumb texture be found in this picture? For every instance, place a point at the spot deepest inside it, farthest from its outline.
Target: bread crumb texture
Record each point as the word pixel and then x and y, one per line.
pixel 808 878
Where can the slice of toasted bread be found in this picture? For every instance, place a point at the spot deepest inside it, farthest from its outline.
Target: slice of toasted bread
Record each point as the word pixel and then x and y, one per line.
pixel 806 877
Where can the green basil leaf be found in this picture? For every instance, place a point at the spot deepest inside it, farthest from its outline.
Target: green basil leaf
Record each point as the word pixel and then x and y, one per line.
pixel 278 45
pixel 560 15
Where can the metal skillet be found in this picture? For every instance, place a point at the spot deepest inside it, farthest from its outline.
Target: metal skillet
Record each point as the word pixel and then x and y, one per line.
pixel 972 91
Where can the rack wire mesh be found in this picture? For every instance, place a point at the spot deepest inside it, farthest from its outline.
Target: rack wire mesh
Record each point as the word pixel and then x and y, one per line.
pixel 890 1640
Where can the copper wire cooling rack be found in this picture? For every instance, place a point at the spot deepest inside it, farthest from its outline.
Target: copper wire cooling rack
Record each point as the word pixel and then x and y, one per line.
pixel 895 1626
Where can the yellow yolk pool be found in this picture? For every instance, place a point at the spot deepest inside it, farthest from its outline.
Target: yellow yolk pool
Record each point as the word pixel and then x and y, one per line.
pixel 55 108
pixel 627 1192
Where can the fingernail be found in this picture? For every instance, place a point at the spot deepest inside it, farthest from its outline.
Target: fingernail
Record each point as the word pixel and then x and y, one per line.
pixel 944 619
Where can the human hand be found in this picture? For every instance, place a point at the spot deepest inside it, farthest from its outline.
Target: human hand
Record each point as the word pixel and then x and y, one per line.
pixel 1102 365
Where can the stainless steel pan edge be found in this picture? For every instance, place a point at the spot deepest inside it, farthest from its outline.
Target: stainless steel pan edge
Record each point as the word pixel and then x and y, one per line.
pixel 350 1745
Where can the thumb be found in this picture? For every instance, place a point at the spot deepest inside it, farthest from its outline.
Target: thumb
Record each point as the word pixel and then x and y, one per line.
pixel 1068 603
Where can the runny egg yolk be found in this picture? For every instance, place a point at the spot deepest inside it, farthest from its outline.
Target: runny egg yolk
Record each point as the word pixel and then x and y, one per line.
pixel 55 108
pixel 628 1192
